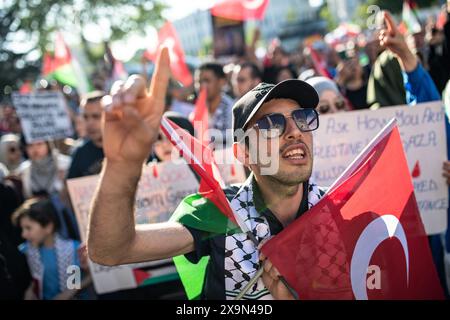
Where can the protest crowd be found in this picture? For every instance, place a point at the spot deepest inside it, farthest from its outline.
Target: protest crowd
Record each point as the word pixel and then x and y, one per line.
pixel 48 163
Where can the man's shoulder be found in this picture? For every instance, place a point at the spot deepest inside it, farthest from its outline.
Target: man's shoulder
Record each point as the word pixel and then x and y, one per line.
pixel 87 151
pixel 81 147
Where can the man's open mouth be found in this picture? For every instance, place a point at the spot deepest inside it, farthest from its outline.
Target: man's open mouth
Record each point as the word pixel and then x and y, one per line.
pixel 295 152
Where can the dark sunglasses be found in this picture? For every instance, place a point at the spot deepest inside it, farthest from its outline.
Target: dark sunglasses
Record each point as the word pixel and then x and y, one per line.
pixel 274 125
pixel 325 107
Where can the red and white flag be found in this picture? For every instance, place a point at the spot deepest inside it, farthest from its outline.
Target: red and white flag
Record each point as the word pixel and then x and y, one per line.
pixel 365 238
pixel 201 160
pixel 167 37
pixel 240 9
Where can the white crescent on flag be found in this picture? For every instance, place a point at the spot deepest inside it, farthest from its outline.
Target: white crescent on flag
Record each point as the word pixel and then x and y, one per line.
pixel 380 229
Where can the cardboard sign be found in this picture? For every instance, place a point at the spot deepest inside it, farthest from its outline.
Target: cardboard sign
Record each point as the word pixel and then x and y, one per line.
pixel 342 136
pixel 43 115
pixel 161 188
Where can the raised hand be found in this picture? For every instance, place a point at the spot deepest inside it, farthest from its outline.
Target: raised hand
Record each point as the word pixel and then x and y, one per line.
pixel 133 115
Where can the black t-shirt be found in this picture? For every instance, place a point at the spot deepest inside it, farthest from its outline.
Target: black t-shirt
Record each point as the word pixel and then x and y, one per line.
pixel 86 160
pixel 214 285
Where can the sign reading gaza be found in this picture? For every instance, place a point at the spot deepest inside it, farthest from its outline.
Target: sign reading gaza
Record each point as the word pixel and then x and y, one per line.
pixel 43 115
pixel 342 136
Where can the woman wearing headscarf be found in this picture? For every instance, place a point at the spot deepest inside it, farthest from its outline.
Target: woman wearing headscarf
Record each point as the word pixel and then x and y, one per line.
pixel 10 152
pixel 43 173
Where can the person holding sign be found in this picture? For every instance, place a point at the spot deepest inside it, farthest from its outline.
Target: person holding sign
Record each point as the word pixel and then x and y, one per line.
pixel 284 113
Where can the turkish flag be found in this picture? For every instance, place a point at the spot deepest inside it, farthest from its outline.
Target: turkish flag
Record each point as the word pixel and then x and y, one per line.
pixel 167 37
pixel 240 9
pixel 200 117
pixel 365 238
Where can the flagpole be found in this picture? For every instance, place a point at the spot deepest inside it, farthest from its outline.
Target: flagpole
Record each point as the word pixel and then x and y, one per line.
pixel 250 284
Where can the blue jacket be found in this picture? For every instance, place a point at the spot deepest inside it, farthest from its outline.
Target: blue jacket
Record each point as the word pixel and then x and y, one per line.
pixel 419 86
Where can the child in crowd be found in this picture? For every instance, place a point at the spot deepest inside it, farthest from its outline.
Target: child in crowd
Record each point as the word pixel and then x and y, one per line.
pixel 51 259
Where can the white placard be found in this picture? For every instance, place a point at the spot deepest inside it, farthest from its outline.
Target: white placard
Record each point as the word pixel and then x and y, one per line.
pixel 342 136
pixel 43 115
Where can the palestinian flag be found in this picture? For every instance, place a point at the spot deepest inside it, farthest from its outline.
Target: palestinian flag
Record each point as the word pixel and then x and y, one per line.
pixel 208 210
pixel 410 17
pixel 64 68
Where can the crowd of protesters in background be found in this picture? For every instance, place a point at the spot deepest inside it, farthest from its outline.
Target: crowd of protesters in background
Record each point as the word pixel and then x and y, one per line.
pixel 39 235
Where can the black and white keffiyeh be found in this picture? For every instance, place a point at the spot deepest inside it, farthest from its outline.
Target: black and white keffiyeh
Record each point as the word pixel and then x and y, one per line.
pixel 241 255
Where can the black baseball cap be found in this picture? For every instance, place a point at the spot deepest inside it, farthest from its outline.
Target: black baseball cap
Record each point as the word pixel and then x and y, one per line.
pixel 247 106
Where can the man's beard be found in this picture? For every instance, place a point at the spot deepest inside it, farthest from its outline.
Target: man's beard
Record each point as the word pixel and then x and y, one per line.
pixel 291 177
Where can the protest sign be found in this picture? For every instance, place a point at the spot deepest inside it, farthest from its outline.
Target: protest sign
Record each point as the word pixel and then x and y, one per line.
pixel 231 170
pixel 43 115
pixel 161 188
pixel 342 136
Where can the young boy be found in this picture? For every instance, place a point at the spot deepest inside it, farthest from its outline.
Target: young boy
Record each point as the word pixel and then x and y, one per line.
pixel 50 257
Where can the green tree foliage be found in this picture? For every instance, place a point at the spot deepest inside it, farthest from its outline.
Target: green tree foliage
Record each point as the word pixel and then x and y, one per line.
pixel 37 20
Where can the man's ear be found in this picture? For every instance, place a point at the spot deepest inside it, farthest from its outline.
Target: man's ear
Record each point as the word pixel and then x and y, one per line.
pixel 241 153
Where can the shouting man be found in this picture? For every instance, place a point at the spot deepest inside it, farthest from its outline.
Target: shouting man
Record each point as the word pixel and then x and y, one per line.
pixel 284 114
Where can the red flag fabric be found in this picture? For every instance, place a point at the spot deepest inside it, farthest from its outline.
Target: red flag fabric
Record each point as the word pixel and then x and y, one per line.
pixel 47 64
pixel 201 159
pixel 365 238
pixel 441 20
pixel 167 37
pixel 26 87
pixel 200 117
pixel 61 56
pixel 240 9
